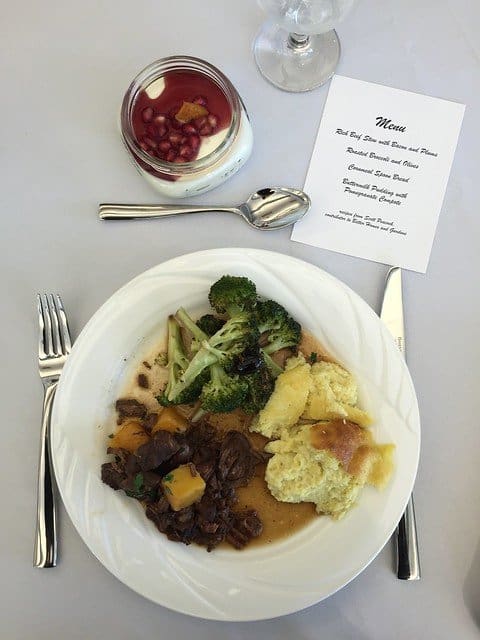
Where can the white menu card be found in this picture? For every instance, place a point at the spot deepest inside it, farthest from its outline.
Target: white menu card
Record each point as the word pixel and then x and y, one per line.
pixel 378 173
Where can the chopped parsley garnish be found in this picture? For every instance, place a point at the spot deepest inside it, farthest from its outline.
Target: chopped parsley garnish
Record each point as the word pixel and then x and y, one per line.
pixel 168 477
pixel 138 490
pixel 138 481
pixel 313 357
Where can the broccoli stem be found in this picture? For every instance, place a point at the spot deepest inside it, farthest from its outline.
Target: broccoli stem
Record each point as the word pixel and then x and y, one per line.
pixel 177 360
pixel 198 415
pixel 217 374
pixel 272 347
pixel 201 360
pixel 187 322
pixel 274 368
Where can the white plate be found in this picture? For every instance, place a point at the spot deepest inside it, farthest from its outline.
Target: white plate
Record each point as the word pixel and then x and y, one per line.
pixel 257 583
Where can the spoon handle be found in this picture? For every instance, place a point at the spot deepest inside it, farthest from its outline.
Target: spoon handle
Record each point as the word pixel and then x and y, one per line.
pixel 107 211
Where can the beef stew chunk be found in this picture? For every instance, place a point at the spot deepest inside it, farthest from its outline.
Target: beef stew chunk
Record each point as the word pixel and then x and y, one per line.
pixel 130 408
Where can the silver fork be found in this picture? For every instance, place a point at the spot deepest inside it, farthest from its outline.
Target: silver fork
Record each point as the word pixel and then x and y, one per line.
pixel 54 345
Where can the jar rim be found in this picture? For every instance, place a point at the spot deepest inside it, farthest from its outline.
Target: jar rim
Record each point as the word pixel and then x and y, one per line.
pixel 156 70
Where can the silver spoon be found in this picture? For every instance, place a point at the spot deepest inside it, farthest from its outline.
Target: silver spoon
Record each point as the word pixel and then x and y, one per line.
pixel 270 208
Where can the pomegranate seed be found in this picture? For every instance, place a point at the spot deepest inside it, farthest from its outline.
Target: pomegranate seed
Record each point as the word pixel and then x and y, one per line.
pixel 189 129
pixel 149 142
pixel 162 130
pixel 194 142
pixel 206 130
pixel 175 138
pixel 200 100
pixel 185 151
pixel 164 145
pixel 171 155
pixel 212 120
pixel 199 122
pixel 143 146
pixel 151 131
pixel 179 159
pixel 161 119
pixel 147 114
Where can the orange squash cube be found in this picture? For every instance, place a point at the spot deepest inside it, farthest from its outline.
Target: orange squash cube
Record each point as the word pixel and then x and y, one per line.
pixel 183 486
pixel 170 420
pixel 130 436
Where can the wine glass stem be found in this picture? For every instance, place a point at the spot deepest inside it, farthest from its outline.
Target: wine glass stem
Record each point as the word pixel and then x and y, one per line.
pixel 298 41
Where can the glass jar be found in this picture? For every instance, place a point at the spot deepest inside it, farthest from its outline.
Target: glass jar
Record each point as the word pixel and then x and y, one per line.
pixel 178 156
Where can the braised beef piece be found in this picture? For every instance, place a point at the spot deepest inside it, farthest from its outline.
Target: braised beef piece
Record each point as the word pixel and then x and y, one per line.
pixel 142 381
pixel 159 512
pixel 183 455
pixel 162 446
pixel 113 475
pixel 245 526
pixel 151 480
pixel 130 408
pixel 237 459
pixel 127 460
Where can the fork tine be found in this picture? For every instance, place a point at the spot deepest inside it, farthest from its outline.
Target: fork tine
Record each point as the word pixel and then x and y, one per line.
pixel 57 345
pixel 63 324
pixel 48 346
pixel 41 327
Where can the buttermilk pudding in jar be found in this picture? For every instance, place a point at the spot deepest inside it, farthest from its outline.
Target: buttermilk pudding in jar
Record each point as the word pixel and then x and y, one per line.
pixel 185 126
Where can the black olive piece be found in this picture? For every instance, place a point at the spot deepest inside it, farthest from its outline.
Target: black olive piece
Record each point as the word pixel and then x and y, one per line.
pixel 248 361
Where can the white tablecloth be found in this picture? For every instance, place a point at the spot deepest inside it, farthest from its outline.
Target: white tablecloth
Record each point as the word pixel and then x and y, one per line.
pixel 64 67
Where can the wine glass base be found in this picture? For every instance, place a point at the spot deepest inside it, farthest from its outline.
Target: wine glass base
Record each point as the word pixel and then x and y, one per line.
pixel 295 68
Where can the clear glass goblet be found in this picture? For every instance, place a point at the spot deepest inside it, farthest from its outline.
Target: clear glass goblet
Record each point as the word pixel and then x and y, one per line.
pixel 297 49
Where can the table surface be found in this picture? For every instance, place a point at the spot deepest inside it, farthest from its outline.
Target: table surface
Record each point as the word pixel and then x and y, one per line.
pixel 64 68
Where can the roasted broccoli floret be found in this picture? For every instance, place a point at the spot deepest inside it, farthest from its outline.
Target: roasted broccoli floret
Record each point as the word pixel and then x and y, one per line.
pixel 260 387
pixel 235 335
pixel 224 392
pixel 280 328
pixel 210 324
pixel 177 364
pixel 232 295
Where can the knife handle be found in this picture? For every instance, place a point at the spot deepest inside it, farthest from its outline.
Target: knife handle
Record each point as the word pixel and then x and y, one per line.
pixel 408 561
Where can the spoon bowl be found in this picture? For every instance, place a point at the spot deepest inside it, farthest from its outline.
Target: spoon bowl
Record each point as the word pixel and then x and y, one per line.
pixel 275 207
pixel 266 209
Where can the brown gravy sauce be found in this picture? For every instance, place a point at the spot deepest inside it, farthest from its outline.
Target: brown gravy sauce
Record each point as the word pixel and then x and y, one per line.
pixel 280 519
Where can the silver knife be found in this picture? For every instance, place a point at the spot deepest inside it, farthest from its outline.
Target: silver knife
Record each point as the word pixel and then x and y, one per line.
pixel 408 562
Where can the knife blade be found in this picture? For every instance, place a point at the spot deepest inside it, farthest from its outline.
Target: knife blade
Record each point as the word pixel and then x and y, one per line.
pixel 392 307
pixel 408 562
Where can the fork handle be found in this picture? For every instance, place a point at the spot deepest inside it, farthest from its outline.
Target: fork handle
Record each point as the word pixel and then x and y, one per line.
pixel 45 554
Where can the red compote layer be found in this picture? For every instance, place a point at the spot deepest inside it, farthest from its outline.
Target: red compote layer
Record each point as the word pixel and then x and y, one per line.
pixel 180 117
